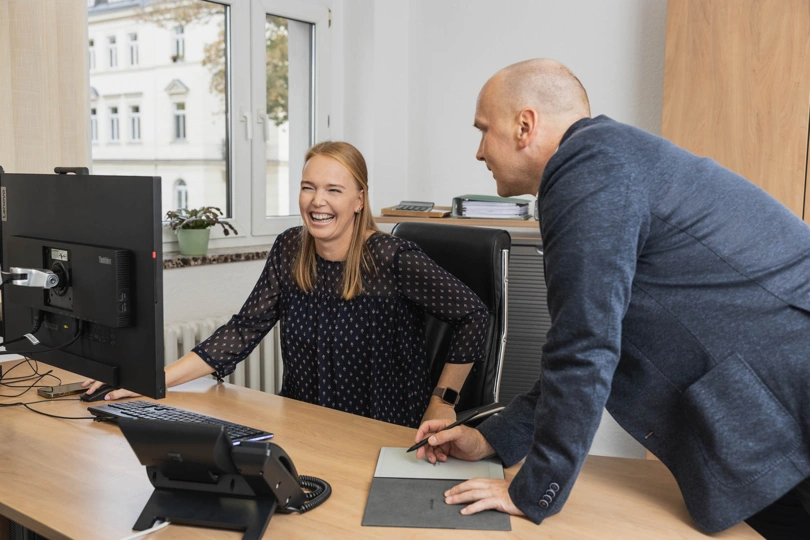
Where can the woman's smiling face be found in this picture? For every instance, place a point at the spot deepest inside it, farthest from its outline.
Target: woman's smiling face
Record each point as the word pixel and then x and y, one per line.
pixel 329 199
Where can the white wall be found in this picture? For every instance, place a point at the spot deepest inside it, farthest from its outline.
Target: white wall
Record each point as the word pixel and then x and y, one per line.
pixel 409 74
pixel 414 69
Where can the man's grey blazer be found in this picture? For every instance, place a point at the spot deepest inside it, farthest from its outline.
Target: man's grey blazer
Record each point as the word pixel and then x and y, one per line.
pixel 679 296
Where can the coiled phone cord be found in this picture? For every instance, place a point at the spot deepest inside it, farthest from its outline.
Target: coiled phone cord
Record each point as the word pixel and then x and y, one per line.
pixel 319 491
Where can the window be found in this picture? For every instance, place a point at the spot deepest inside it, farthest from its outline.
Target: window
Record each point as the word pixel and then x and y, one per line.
pixel 113 51
pixel 114 124
pixel 180 194
pixel 135 123
pixel 179 121
pixel 133 49
pixel 93 125
pixel 91 55
pixel 250 118
pixel 179 44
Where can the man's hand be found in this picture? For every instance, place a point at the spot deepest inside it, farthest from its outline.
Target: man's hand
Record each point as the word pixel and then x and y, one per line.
pixel 484 494
pixel 115 394
pixel 461 442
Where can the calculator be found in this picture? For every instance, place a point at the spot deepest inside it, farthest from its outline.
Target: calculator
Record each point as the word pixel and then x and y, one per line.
pixel 415 206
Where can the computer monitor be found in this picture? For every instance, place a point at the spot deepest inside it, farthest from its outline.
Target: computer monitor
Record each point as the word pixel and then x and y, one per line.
pixel 86 254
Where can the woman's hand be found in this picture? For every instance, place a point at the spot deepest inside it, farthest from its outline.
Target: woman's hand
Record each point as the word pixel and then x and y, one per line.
pixel 439 410
pixel 115 394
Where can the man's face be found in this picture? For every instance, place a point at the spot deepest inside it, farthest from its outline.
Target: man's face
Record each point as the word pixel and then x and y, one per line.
pixel 499 145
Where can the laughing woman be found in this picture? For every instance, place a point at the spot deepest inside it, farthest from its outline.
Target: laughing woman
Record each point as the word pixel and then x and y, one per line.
pixel 351 303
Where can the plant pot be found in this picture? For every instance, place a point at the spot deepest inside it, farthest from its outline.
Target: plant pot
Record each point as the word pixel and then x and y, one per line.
pixel 193 242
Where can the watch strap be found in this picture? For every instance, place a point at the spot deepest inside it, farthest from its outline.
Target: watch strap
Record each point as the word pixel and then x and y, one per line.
pixel 448 395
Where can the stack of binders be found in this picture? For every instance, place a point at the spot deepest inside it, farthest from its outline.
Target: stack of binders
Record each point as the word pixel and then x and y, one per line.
pixel 489 207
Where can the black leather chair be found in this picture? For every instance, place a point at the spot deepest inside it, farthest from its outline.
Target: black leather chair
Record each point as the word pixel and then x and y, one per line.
pixel 479 257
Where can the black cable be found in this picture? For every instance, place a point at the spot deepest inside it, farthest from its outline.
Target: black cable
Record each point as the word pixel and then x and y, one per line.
pixel 320 490
pixel 38 318
pixel 26 405
pixel 36 375
pixel 79 331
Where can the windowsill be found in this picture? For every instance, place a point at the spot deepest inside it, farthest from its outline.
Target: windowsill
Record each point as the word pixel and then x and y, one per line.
pixel 173 259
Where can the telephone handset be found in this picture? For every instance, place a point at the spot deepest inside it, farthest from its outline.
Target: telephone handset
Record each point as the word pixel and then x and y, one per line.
pixel 201 479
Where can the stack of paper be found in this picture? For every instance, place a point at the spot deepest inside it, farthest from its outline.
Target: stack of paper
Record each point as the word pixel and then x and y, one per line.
pixel 488 207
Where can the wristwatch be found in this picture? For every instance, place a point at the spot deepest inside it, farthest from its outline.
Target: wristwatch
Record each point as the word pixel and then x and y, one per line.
pixel 448 395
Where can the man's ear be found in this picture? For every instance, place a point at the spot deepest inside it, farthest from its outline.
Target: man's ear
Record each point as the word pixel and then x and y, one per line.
pixel 528 122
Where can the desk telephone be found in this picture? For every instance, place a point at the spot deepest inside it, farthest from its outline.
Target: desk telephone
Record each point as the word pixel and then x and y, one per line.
pixel 201 479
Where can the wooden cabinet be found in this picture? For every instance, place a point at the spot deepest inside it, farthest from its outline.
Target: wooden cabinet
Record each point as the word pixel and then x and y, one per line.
pixel 737 89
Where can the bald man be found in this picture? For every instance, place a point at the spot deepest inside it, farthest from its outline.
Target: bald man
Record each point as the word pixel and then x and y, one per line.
pixel 679 296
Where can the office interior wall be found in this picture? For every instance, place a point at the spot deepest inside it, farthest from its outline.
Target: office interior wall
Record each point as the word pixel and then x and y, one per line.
pixel 44 96
pixel 417 66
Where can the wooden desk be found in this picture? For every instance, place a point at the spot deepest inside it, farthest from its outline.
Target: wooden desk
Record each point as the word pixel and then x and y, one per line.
pixel 80 479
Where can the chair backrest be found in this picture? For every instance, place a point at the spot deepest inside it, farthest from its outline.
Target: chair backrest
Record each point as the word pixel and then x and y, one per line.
pixel 479 257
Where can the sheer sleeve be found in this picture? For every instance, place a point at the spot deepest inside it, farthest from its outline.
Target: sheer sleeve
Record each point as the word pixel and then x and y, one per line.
pixel 234 341
pixel 425 283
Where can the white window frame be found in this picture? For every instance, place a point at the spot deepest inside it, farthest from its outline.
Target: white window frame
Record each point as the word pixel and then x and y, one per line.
pixel 180 193
pixel 135 123
pixel 94 124
pixel 115 125
pixel 112 50
pixel 91 54
pixel 134 59
pixel 242 139
pixel 179 114
pixel 179 43
pixel 315 12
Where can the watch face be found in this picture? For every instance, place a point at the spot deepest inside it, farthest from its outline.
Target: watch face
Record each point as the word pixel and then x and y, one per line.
pixel 450 396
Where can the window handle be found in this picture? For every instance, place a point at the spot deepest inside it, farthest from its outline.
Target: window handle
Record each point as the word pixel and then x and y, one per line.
pixel 245 117
pixel 262 118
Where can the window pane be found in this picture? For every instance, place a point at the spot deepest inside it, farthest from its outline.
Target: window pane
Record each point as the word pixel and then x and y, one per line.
pixel 288 48
pixel 190 142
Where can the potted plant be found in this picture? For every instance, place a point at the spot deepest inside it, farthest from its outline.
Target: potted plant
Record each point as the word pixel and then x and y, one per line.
pixel 193 227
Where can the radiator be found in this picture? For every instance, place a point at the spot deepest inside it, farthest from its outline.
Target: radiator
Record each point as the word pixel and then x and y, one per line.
pixel 262 370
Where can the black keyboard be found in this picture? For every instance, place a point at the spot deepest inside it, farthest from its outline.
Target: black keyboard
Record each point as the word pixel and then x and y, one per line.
pixel 156 411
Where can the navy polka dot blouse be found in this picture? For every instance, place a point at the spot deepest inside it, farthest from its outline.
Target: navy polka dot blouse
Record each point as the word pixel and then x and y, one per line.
pixel 364 356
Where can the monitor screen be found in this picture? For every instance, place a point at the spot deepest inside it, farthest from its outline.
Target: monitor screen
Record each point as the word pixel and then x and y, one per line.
pixel 86 252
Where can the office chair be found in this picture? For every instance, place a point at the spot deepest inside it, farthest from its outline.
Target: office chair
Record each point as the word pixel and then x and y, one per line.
pixel 479 257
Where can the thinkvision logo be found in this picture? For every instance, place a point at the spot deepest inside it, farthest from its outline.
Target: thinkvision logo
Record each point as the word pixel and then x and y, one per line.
pixel 3 203
pixel 104 260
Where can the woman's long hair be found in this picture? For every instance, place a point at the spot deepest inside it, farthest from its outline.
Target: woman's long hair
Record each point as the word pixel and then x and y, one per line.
pixel 359 260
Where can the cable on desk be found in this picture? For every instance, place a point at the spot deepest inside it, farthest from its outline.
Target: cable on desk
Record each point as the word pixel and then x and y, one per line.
pixel 26 405
pixel 159 525
pixel 36 377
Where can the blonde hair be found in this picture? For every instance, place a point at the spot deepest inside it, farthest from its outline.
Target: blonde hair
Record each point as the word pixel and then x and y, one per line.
pixel 359 260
